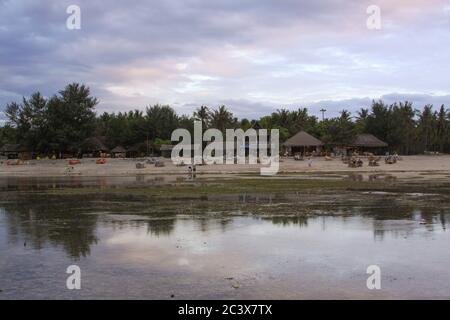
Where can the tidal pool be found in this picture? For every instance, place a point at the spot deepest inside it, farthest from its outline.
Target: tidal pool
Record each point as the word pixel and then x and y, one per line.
pixel 223 247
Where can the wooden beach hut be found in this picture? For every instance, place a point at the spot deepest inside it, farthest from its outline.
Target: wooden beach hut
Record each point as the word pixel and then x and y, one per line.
pixel 119 152
pixel 94 147
pixel 302 142
pixel 368 143
pixel 15 151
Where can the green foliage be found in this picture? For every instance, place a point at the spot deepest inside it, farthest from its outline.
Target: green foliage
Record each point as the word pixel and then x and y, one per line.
pixel 62 122
pixel 203 114
pixel 161 121
pixel 159 142
pixel 58 124
pixel 7 134
pixel 222 119
pixel 337 131
pixel 405 129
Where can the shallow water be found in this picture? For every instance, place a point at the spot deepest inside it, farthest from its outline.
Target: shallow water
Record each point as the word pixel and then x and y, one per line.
pixel 221 248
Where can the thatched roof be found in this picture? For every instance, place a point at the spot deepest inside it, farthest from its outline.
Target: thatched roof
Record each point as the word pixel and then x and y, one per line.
pixel 94 144
pixel 302 139
pixel 368 140
pixel 118 149
pixel 12 148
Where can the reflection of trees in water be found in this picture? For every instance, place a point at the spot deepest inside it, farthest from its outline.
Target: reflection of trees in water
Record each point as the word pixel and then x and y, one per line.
pixel 386 209
pixel 442 220
pixel 430 216
pixel 224 223
pixel 207 214
pixel 50 183
pixel 213 222
pixel 36 222
pixel 301 221
pixel 383 211
pixel 164 224
pixel 159 226
pixel 60 222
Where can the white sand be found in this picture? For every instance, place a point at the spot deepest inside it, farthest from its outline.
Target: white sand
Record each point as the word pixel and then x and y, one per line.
pixel 424 167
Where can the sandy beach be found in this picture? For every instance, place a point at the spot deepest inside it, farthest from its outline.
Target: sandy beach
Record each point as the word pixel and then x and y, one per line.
pixel 423 167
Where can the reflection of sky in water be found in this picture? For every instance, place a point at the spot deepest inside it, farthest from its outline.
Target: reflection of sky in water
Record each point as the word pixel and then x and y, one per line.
pixel 220 255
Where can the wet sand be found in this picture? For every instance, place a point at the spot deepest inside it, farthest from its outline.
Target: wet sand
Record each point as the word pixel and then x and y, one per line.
pixel 418 167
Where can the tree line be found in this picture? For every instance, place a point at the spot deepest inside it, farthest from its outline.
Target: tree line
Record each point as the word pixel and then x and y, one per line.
pixel 62 122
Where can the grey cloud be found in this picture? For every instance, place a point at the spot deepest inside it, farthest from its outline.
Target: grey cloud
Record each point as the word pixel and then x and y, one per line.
pixel 291 51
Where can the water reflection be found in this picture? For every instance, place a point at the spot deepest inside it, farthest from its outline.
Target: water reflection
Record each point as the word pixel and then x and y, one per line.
pixel 243 246
pixel 45 183
pixel 71 222
pixel 37 225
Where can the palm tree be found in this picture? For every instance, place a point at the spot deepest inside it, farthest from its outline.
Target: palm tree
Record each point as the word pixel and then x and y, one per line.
pixel 222 119
pixel 300 120
pixel 426 126
pixel 442 128
pixel 406 126
pixel 203 114
pixel 361 120
pixel 281 118
pixel 346 127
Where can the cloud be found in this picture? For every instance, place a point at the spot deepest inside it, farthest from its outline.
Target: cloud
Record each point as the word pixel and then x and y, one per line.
pixel 255 55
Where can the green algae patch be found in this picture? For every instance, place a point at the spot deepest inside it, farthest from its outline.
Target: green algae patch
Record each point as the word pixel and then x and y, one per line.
pixel 199 189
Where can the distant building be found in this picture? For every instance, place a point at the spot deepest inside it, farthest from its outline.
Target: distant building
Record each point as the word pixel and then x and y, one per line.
pixel 368 143
pixel 94 147
pixel 119 152
pixel 302 142
pixel 15 151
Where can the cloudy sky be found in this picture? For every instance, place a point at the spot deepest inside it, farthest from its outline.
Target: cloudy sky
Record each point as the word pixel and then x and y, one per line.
pixel 252 55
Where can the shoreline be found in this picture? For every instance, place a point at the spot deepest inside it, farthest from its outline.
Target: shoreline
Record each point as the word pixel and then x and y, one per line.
pixel 420 167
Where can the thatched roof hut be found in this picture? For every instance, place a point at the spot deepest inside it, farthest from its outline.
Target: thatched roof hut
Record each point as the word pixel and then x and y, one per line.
pixel 367 140
pixel 302 142
pixel 118 149
pixel 12 148
pixel 94 144
pixel 302 139
pixel 14 151
pixel 119 152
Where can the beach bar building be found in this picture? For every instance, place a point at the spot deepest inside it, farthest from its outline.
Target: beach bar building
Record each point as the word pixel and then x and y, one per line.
pixel 303 143
pixel 368 143
pixel 15 151
pixel 94 147
pixel 119 152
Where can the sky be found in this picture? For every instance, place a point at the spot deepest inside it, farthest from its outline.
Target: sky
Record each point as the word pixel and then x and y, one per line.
pixel 254 56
